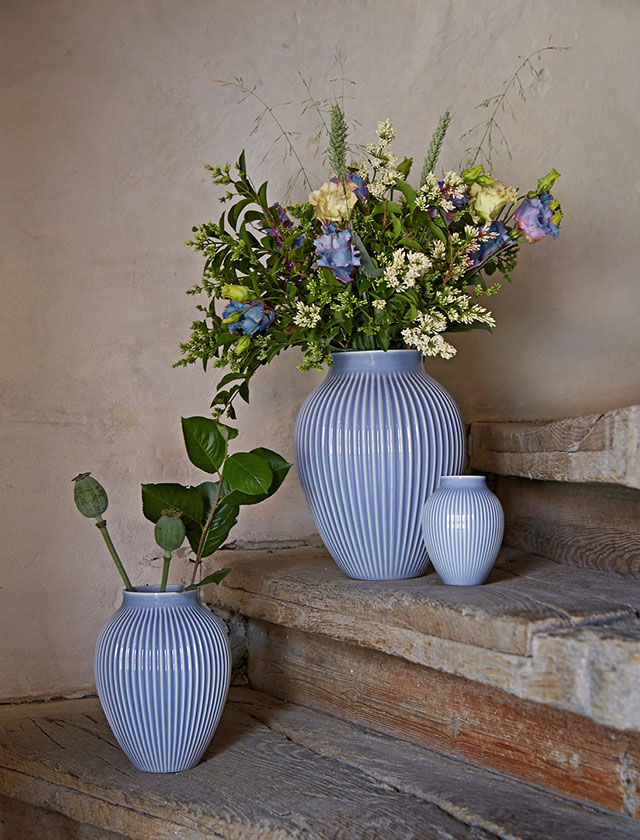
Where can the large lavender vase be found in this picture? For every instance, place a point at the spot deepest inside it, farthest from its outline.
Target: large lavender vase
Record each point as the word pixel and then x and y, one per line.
pixel 371 443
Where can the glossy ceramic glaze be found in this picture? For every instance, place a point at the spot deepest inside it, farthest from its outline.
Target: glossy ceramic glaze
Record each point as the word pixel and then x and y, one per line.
pixel 162 667
pixel 463 526
pixel 371 443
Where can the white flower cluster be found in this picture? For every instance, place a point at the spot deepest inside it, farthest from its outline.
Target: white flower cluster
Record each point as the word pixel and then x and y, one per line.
pixel 307 315
pixel 431 194
pixel 459 309
pixel 379 303
pixel 402 271
pixel 426 337
pixel 379 168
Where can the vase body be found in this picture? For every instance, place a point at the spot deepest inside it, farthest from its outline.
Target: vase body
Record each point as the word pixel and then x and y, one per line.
pixel 463 526
pixel 162 667
pixel 371 443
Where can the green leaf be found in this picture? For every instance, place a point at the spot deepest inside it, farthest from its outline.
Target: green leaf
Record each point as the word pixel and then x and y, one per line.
pixel 159 497
pixel 388 207
pixel 206 445
pixel 236 209
pixel 262 194
pixel 410 243
pixel 437 231
pixel 408 192
pixel 248 473
pixel 228 432
pixel 214 577
pixel 468 327
pixel 279 468
pixel 224 519
pixel 366 265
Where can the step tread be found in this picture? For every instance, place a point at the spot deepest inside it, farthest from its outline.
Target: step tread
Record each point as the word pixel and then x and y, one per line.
pixel 595 447
pixel 518 632
pixel 276 770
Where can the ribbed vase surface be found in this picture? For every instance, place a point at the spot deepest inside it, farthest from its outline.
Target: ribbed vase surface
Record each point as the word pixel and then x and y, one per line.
pixel 463 526
pixel 371 443
pixel 162 667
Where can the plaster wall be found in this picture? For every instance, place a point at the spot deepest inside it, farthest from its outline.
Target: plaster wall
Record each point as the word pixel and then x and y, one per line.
pixel 109 110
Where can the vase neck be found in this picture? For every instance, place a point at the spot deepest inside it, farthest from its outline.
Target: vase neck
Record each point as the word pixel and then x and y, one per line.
pixel 463 482
pixel 150 597
pixel 376 361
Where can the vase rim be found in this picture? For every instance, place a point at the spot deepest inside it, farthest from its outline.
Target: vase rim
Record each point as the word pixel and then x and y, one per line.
pixel 462 479
pixel 376 361
pixel 150 596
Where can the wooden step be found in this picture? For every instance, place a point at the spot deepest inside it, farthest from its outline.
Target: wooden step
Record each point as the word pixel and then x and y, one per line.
pixel 568 488
pixel 596 447
pixel 534 673
pixel 273 771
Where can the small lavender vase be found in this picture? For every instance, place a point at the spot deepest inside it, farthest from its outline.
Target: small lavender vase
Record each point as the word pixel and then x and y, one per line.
pixel 463 526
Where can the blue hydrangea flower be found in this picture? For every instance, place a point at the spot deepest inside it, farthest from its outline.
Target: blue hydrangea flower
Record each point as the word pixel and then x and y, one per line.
pixel 534 217
pixel 498 234
pixel 361 189
pixel 335 252
pixel 256 316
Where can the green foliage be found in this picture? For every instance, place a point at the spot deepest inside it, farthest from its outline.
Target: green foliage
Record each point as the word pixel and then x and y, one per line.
pixel 338 142
pixel 204 513
pixel 433 152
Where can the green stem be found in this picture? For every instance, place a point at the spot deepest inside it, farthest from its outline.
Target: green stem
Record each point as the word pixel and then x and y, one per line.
pixel 102 526
pixel 196 565
pixel 165 571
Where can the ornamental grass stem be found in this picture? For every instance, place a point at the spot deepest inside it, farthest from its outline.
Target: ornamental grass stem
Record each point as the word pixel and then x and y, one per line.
pixel 102 527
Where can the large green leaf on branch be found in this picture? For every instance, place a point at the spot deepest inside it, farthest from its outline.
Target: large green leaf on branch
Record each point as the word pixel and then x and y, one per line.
pixel 248 473
pixel 206 444
pixel 159 497
pixel 279 468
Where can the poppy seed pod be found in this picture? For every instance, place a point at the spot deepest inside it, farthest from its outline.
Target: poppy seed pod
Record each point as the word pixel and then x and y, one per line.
pixel 89 495
pixel 170 531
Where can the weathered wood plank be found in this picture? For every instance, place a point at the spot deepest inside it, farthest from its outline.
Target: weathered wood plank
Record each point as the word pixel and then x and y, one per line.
pixel 587 525
pixel 19 821
pixel 595 447
pixel 304 585
pixel 313 776
pixel 548 747
pixel 303 590
pixel 253 782
pixel 492 801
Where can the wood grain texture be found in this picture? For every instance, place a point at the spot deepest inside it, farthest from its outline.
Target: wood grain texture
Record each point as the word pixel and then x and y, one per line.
pixel 587 525
pixel 554 749
pixel 253 782
pixel 595 447
pixel 503 615
pixel 297 774
pixel 528 597
pixel 19 821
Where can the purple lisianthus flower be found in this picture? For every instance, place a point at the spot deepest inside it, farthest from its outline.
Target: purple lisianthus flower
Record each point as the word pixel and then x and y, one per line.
pixel 283 222
pixel 361 190
pixel 256 316
pixel 534 217
pixel 335 252
pixel 494 236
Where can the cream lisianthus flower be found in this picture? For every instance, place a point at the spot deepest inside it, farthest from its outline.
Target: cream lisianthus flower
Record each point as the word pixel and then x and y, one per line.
pixel 334 202
pixel 487 201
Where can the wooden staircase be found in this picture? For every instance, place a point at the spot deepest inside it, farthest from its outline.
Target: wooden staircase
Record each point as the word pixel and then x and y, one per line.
pixel 402 709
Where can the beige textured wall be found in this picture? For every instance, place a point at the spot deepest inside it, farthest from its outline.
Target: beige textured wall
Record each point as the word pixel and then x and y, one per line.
pixel 109 109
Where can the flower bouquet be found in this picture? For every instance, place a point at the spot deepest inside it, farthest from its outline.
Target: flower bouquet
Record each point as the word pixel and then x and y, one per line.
pixel 368 262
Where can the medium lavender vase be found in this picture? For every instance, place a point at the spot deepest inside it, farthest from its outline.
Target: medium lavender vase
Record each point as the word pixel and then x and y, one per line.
pixel 371 443
pixel 162 667
pixel 463 526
